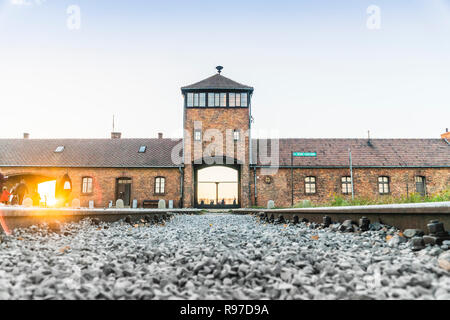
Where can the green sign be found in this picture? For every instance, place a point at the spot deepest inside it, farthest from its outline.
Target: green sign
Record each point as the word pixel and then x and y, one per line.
pixel 305 154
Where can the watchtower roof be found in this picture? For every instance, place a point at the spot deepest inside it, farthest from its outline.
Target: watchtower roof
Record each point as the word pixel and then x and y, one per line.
pixel 219 82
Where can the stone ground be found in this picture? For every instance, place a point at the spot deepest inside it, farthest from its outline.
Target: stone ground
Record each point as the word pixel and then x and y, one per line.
pixel 214 256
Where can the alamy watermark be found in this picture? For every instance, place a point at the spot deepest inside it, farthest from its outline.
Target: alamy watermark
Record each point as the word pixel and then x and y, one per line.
pixel 374 19
pixel 74 17
pixel 225 147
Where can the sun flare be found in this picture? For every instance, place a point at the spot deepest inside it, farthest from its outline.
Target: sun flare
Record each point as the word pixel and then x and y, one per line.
pixel 47 192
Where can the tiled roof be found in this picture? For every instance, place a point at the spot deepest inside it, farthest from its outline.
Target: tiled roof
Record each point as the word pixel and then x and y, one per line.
pixel 123 153
pixel 106 153
pixel 217 81
pixel 381 152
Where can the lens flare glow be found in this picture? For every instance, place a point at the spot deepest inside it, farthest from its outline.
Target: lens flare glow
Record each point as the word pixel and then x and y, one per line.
pixel 47 192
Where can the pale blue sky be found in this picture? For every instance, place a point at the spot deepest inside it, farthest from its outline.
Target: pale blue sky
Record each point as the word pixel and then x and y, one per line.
pixel 318 71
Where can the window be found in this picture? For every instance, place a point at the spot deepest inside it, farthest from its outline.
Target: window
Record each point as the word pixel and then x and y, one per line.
pixel 142 149
pixel 217 99
pixel 197 135
pixel 232 99
pixel 210 99
pixel 310 185
pixel 236 135
pixel 383 185
pixel 202 97
pixel 346 185
pixel 420 185
pixel 86 185
pixel 238 100
pixel 59 149
pixel 190 99
pixel 223 99
pixel 195 99
pixel 243 100
pixel 160 185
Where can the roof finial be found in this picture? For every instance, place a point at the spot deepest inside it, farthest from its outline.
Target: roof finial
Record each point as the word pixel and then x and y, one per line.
pixel 219 69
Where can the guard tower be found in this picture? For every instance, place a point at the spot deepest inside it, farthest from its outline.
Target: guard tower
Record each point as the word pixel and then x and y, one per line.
pixel 217 123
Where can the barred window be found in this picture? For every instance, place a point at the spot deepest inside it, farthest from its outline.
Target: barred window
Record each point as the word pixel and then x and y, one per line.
pixel 210 99
pixel 195 99
pixel 190 99
pixel 383 185
pixel 346 185
pixel 86 185
pixel 420 185
pixel 238 99
pixel 232 99
pixel 310 185
pixel 243 100
pixel 160 185
pixel 223 99
pixel 202 97
pixel 217 99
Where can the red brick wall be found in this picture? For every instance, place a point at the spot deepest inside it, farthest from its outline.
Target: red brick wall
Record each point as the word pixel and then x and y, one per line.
pixel 104 182
pixel 222 119
pixel 328 184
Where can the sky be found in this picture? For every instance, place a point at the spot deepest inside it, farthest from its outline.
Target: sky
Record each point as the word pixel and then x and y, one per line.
pixel 320 69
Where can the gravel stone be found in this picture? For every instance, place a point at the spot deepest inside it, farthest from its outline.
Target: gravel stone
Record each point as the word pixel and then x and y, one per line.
pixel 218 256
pixel 444 261
pixel 411 233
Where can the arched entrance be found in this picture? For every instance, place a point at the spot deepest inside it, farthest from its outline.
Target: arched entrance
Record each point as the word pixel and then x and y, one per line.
pixel 40 188
pixel 217 186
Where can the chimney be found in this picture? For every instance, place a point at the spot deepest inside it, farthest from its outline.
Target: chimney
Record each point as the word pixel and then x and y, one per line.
pixel 116 135
pixel 446 135
pixel 26 135
pixel 160 135
pixel 369 141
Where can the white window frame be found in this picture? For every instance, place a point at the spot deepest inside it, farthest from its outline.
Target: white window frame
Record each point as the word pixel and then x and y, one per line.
pixel 160 185
pixel 309 182
pixel 87 185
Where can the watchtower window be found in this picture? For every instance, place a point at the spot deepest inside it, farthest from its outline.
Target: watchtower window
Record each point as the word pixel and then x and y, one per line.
pixel 238 100
pixel 232 99
pixel 195 99
pixel 202 97
pixel 217 100
pixel 223 99
pixel 243 100
pixel 190 99
pixel 210 99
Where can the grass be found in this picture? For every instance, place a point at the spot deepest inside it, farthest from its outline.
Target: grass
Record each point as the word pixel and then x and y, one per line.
pixel 340 201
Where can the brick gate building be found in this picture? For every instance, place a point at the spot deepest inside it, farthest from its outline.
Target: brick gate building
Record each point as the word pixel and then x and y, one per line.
pixel 218 164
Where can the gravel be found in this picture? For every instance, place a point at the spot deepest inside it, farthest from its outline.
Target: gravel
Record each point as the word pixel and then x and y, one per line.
pixel 215 256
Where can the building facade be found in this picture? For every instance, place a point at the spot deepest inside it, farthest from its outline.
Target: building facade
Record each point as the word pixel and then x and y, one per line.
pixel 218 164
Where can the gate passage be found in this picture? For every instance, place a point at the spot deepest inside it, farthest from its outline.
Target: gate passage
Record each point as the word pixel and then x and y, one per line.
pixel 218 186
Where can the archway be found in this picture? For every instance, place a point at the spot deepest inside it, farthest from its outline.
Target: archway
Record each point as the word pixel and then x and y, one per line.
pixel 217 186
pixel 41 188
